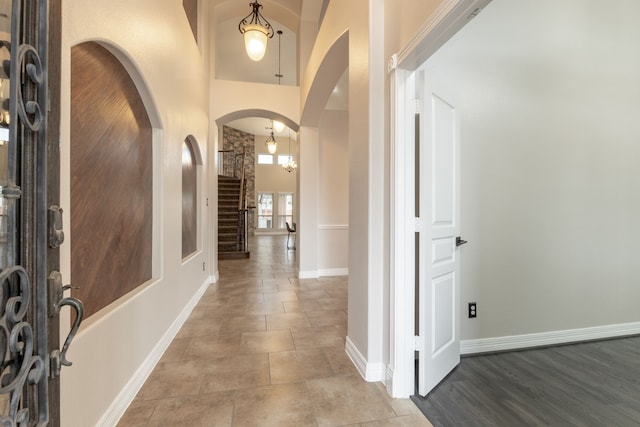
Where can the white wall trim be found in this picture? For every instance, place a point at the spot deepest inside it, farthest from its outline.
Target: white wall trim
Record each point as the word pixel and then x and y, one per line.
pixel 118 407
pixel 311 274
pixel 214 278
pixel 449 17
pixel 518 342
pixel 329 272
pixel 334 227
pixel 369 371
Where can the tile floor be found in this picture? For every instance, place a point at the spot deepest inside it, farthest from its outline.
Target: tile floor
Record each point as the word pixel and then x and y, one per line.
pixel 263 348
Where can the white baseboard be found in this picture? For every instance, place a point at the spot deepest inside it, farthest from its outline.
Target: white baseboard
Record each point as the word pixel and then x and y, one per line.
pixel 118 407
pixel 518 342
pixel 312 274
pixel 333 272
pixel 369 371
pixel 328 272
pixel 215 277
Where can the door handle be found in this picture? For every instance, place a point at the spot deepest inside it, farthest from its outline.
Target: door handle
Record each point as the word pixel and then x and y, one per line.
pixel 460 242
pixel 56 302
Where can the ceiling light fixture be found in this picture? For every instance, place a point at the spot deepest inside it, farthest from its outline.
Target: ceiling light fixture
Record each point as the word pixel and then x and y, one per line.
pixel 290 165
pixel 271 143
pixel 256 31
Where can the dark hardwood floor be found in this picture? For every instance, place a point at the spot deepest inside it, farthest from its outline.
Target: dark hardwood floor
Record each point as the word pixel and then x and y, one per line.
pixel 587 384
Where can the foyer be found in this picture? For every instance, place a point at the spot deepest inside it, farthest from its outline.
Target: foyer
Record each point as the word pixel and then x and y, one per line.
pixel 263 348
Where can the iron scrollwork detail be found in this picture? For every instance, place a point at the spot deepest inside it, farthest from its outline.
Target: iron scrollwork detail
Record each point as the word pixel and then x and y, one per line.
pixel 20 366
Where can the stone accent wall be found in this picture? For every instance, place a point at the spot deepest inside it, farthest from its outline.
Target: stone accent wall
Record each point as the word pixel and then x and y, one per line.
pixel 236 140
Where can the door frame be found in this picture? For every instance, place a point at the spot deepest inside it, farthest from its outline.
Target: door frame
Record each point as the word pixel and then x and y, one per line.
pixel 447 20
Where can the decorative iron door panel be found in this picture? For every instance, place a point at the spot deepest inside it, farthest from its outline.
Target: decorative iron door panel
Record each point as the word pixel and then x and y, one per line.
pixel 31 290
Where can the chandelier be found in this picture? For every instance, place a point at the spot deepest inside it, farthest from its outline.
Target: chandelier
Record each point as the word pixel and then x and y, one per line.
pixel 256 31
pixel 290 164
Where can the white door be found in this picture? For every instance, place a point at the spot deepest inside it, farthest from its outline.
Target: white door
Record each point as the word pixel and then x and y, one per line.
pixel 439 264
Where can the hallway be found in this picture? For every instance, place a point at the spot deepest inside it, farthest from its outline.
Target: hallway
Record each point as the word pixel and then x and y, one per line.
pixel 263 348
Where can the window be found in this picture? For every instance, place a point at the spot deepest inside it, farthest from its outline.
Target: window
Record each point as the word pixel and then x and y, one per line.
pixel 275 213
pixel 265 159
pixel 285 209
pixel 265 210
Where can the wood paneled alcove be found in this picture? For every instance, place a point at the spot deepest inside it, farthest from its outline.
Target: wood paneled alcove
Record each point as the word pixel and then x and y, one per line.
pixel 111 179
pixel 189 200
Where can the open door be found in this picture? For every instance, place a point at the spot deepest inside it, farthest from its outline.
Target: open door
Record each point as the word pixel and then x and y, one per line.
pixel 439 226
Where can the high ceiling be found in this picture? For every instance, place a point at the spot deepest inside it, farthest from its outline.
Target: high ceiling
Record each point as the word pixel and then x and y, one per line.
pixel 232 62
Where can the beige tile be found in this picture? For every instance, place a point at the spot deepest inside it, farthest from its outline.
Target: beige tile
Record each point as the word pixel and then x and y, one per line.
pixel 176 350
pixel 287 321
pixel 300 365
pixel 301 306
pixel 266 342
pixel 347 400
pixel 327 317
pixel 255 407
pixel 404 421
pixel 326 336
pixel 306 295
pixel 280 296
pixel 214 346
pixel 288 286
pixel 207 410
pixel 199 327
pixel 333 303
pixel 243 324
pixel 138 414
pixel 340 361
pixel 270 307
pixel 342 330
pixel 236 372
pixel 173 379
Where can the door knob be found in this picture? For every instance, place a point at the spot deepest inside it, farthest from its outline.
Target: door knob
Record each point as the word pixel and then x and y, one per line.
pixel 459 241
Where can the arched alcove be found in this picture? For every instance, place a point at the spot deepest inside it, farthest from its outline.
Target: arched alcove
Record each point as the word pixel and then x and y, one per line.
pixel 191 161
pixel 111 179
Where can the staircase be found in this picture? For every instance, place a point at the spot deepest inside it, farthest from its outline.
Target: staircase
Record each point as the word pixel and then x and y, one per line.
pixel 230 227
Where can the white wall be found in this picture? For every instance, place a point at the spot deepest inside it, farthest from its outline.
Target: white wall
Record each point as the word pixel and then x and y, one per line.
pixel 114 348
pixel 549 98
pixel 273 177
pixel 333 216
pixel 343 39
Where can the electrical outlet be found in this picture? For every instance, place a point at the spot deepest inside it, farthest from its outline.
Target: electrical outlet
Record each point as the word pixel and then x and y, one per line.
pixel 472 310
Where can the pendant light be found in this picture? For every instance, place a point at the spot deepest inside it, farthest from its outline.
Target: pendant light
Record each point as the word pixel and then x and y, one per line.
pixel 271 143
pixel 256 31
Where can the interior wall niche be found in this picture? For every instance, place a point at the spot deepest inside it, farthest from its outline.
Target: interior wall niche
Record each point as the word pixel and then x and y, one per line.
pixel 189 199
pixel 111 180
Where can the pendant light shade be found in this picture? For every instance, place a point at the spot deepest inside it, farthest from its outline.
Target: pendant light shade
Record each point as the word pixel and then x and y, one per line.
pixel 255 42
pixel 271 143
pixel 256 31
pixel 278 126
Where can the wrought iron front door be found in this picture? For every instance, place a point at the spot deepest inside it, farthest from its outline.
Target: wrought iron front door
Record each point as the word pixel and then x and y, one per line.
pixel 31 290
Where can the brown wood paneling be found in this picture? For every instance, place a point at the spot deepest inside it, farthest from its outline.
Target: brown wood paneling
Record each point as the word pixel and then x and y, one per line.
pixel 191 9
pixel 111 179
pixel 189 201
